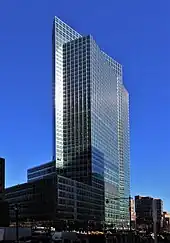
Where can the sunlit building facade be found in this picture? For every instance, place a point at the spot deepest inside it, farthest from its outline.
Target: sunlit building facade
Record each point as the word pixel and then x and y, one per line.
pixel 91 119
pixel 133 214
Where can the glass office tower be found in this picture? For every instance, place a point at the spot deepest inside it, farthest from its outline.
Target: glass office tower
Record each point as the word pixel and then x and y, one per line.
pixel 91 119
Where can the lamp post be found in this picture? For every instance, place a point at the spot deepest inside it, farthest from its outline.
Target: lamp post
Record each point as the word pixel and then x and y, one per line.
pixel 16 209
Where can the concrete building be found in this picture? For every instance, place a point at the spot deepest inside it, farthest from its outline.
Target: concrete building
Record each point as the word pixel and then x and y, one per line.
pixel 144 213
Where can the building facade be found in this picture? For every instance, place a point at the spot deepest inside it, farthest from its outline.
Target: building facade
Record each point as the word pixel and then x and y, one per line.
pixel 91 119
pixel 53 199
pixel 159 213
pixel 4 213
pixel 166 221
pixel 133 214
pixel 42 171
pixel 76 202
pixel 79 203
pixel 36 201
pixel 2 174
pixel 144 208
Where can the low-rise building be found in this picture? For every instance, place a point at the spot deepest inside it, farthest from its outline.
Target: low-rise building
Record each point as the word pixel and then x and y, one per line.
pixel 166 221
pixel 144 213
pixel 56 199
pixel 4 213
pixel 41 171
pixel 78 202
pixel 2 174
pixel 133 214
pixel 35 200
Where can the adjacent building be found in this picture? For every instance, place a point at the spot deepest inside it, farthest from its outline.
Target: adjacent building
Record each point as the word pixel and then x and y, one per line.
pixel 36 201
pixel 2 174
pixel 91 119
pixel 166 221
pixel 4 214
pixel 133 214
pixel 54 199
pixel 41 171
pixel 145 212
pixel 4 209
pixel 79 203
pixel 75 201
pixel 159 212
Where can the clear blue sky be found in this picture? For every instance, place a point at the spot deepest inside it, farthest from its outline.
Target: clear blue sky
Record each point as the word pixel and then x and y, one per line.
pixel 136 33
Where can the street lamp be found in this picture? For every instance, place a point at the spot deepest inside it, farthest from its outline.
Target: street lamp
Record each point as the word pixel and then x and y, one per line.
pixel 16 209
pixel 125 198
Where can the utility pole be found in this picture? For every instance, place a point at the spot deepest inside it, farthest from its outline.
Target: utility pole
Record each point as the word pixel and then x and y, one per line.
pixel 16 208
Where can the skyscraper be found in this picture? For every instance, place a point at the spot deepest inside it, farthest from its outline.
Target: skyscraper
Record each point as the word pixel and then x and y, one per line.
pixel 91 119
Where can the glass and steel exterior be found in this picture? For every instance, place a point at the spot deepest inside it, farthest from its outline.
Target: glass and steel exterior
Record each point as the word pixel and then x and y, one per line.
pixel 62 34
pixel 91 119
pixel 78 201
pixel 75 201
pixel 124 152
pixel 42 171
